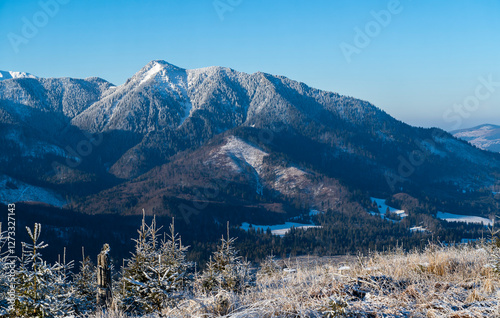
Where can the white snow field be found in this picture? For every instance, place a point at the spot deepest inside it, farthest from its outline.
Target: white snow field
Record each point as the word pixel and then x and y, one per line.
pixel 449 217
pixel 279 229
pixel 418 229
pixel 382 208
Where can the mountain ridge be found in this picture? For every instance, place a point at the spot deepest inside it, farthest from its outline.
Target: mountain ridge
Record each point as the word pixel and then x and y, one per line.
pixel 485 136
pixel 164 114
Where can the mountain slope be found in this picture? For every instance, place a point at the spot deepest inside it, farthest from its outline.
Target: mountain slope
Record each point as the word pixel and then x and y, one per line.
pixel 35 130
pixel 180 109
pixel 274 138
pixel 227 170
pixel 486 137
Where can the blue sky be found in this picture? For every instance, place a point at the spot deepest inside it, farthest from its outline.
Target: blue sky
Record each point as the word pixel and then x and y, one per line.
pixel 420 60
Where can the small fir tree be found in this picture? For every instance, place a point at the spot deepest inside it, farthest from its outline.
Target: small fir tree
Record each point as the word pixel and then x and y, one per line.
pixel 42 290
pixel 225 270
pixel 85 283
pixel 156 274
pixel 269 266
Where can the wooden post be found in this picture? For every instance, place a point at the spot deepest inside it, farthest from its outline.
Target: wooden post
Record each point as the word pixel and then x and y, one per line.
pixel 104 296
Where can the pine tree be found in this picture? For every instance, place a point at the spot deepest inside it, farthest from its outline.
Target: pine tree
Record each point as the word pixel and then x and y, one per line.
pixel 494 249
pixel 85 283
pixel 173 264
pixel 269 267
pixel 42 290
pixel 225 270
pixel 156 274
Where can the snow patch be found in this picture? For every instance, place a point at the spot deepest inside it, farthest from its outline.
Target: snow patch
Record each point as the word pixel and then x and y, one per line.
pixel 151 72
pixel 16 191
pixel 344 268
pixel 418 229
pixel 449 217
pixel 244 151
pixel 382 209
pixel 432 149
pixel 279 229
pixel 241 152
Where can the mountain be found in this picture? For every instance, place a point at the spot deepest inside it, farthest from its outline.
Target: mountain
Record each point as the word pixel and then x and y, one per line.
pixel 251 147
pixel 8 75
pixel 486 137
pixel 36 131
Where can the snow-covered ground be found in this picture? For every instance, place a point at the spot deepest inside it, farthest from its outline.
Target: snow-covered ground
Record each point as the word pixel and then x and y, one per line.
pixel 12 191
pixel 418 229
pixel 463 218
pixel 240 156
pixel 35 149
pixel 314 212
pixel 279 229
pixel 382 208
pixel 241 151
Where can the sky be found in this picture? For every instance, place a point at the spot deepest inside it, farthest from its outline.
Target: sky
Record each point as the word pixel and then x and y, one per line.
pixel 427 63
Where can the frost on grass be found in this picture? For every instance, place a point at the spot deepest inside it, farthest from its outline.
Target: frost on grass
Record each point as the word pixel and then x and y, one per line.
pixel 437 282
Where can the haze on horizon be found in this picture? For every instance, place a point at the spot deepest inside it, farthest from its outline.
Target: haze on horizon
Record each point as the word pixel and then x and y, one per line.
pixel 425 63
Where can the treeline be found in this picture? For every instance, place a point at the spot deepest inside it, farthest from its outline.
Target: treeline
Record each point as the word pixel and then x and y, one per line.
pixel 156 276
pixel 348 229
pixel 351 231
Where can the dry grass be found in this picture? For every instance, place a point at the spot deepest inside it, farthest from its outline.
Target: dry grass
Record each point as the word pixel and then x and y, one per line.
pixel 439 282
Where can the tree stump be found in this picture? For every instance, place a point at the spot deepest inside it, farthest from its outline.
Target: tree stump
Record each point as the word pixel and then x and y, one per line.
pixel 104 296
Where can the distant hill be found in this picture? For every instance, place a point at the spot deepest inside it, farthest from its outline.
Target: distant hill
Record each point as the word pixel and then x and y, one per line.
pixel 485 137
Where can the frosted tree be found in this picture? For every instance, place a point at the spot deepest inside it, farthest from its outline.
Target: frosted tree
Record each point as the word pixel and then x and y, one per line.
pixel 225 270
pixel 269 267
pixel 156 274
pixel 494 248
pixel 42 290
pixel 85 283
pixel 173 264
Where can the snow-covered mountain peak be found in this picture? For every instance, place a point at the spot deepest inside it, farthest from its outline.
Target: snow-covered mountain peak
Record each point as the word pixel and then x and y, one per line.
pixel 158 70
pixel 164 64
pixel 9 75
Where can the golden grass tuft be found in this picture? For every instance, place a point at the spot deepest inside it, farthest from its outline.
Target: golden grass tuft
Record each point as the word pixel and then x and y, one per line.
pixel 438 282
